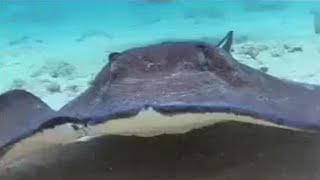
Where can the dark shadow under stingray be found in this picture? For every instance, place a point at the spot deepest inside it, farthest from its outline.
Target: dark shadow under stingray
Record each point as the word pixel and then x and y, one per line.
pixel 221 152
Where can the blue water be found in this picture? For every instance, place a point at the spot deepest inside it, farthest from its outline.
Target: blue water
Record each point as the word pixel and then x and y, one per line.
pixel 62 20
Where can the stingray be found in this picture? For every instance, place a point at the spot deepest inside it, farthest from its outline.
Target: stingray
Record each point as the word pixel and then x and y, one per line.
pixel 164 88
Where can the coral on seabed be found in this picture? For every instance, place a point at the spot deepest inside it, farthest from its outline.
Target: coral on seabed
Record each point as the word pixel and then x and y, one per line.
pixel 73 88
pixel 253 50
pixel 18 84
pixel 53 87
pixel 56 70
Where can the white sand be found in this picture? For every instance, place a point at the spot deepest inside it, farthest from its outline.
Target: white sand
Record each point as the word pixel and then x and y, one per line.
pixel 17 68
pixel 86 45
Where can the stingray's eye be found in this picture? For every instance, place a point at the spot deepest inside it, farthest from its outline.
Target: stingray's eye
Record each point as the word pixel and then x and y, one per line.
pixel 113 56
pixel 202 47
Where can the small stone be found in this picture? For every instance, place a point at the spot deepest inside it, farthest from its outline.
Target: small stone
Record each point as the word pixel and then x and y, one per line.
pixel 35 74
pixel 292 49
pixel 251 50
pixel 276 52
pixel 18 84
pixel 296 49
pixel 73 88
pixel 54 74
pixel 53 87
pixel 264 69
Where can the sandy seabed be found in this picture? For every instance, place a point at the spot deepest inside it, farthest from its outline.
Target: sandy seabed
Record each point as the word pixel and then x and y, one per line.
pixel 56 54
pixel 58 78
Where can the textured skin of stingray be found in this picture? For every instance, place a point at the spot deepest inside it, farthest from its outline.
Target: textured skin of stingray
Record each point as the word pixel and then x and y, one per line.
pixel 193 77
pixel 171 78
pixel 23 114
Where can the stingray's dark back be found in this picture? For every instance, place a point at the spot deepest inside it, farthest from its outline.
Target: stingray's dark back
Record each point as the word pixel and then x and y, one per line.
pixel 20 114
pixel 194 77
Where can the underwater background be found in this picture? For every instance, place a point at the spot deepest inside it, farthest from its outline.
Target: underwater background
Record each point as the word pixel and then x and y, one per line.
pixel 54 48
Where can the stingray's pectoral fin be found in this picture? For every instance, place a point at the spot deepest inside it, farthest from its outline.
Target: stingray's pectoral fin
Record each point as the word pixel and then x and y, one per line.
pixel 27 124
pixel 226 42
pixel 20 113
